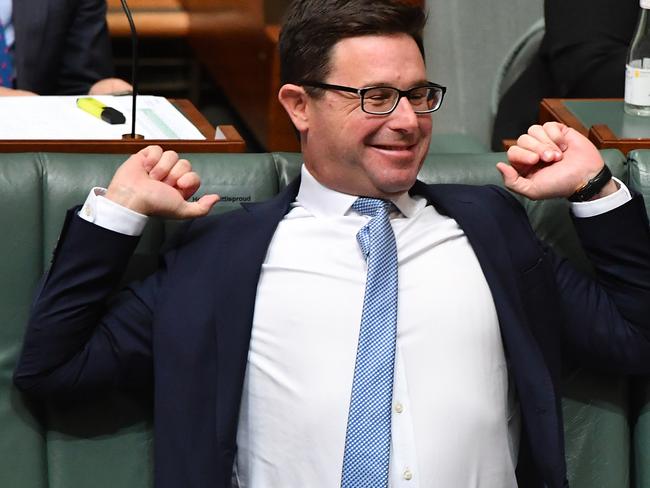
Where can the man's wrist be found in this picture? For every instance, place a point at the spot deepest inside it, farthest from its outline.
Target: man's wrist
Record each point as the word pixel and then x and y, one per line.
pixel 610 187
pixel 595 186
pixel 604 204
pixel 124 198
pixel 110 215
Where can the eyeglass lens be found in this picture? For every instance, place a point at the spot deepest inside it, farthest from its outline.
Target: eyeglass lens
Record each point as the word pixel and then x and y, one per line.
pixel 384 99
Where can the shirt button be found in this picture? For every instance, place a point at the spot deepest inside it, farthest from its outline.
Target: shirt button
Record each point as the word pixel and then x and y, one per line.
pixel 399 408
pixel 87 211
pixel 408 475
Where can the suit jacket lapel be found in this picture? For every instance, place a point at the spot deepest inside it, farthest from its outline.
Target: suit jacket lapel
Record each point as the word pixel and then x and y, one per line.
pixel 243 250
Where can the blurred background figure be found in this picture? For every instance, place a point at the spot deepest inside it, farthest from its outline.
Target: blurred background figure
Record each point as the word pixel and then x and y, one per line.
pixel 582 55
pixel 54 47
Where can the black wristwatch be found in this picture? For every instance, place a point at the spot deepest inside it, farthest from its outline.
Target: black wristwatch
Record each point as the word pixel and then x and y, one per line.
pixel 593 186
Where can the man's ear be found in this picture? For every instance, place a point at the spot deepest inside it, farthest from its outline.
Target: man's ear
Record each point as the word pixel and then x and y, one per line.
pixel 294 99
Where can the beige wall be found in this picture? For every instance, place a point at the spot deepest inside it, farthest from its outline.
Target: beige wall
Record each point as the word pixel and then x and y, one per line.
pixel 465 43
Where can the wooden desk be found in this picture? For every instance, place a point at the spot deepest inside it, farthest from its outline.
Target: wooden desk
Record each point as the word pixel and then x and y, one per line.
pixel 233 143
pixel 603 121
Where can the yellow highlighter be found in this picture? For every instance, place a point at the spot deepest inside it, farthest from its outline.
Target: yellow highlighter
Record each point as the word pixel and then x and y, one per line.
pixel 100 110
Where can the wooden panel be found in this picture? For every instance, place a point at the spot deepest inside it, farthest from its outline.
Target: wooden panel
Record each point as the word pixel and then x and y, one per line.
pixel 152 18
pixel 237 55
pixel 281 134
pixel 177 18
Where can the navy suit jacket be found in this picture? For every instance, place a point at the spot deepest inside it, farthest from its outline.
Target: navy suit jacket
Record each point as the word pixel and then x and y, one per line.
pixel 62 47
pixel 186 328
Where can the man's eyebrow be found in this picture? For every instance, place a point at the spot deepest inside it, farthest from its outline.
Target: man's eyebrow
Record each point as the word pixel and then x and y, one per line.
pixel 383 83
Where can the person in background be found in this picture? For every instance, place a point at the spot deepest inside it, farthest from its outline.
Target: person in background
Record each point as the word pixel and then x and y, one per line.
pixel 361 328
pixel 56 47
pixel 582 55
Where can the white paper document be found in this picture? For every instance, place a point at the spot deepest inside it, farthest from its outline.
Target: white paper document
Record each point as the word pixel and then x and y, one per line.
pixel 58 117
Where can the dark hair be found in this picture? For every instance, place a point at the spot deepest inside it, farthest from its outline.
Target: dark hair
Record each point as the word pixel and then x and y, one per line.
pixel 312 27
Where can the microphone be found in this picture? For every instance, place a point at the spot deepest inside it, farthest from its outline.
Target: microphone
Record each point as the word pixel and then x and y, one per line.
pixel 134 75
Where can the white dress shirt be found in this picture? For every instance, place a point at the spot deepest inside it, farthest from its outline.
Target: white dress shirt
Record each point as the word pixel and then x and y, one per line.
pixel 455 421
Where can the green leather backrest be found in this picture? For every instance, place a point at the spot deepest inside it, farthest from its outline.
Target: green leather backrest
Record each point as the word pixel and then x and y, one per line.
pixel 106 442
pixel 22 447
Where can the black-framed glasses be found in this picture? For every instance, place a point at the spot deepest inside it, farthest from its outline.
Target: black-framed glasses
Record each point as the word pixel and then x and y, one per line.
pixel 382 100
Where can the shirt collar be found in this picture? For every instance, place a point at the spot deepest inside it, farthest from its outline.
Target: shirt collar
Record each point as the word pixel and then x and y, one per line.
pixel 321 201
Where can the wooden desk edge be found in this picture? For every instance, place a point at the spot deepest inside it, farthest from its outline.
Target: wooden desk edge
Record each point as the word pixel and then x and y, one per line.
pixel 553 109
pixel 120 146
pixel 604 138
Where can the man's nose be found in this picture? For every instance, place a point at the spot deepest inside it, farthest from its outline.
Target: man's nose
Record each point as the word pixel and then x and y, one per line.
pixel 403 117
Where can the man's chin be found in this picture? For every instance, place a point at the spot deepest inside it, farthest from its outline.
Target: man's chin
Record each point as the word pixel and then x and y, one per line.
pixel 397 184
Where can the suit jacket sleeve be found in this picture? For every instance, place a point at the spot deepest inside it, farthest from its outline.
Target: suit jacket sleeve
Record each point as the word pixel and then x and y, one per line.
pixel 609 327
pixel 81 335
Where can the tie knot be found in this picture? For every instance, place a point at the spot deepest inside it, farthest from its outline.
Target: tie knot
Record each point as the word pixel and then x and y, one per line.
pixel 371 206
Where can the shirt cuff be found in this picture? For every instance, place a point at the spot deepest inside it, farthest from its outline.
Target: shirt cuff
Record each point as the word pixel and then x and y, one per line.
pixel 602 205
pixel 110 215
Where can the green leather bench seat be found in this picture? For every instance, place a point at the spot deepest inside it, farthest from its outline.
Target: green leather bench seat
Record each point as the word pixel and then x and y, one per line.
pixel 106 439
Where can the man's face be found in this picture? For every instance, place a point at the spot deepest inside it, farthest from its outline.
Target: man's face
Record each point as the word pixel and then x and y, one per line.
pixel 354 152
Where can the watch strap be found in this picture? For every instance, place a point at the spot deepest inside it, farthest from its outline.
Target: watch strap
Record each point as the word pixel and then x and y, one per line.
pixel 593 186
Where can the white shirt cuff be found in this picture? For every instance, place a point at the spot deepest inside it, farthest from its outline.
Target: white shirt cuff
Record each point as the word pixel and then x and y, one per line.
pixel 110 215
pixel 602 205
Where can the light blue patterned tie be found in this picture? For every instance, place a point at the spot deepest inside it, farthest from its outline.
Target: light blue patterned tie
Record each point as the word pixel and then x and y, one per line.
pixel 367 441
pixel 6 67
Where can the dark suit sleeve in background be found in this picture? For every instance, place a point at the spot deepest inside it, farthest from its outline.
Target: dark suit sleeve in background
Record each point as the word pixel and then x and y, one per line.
pixel 87 49
pixel 62 47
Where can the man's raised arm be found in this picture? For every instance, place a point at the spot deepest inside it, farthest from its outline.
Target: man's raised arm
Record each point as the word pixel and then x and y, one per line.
pixel 79 334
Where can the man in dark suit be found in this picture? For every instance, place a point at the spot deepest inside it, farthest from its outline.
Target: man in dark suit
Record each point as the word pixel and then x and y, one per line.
pixel 248 332
pixel 61 48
